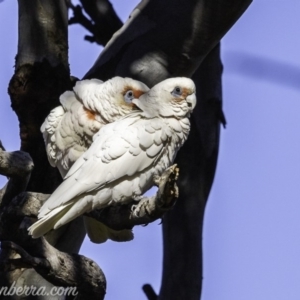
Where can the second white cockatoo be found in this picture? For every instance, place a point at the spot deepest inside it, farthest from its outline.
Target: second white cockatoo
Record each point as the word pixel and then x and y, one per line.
pixel 69 129
pixel 124 157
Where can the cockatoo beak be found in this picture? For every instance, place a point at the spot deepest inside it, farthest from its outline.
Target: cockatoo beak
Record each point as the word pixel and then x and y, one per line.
pixel 137 104
pixel 191 101
pixel 135 107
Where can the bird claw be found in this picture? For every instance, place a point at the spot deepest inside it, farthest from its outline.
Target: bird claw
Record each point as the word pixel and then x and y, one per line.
pixel 133 207
pixel 137 198
pixel 156 179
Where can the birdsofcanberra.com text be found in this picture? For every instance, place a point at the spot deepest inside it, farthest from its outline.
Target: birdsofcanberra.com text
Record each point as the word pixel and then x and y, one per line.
pixel 37 291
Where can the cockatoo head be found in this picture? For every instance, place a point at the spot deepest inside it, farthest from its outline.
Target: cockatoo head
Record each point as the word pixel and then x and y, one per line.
pixel 122 91
pixel 171 97
pixel 110 99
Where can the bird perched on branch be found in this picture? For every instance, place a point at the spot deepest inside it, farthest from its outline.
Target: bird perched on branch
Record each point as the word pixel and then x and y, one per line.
pixel 69 129
pixel 124 157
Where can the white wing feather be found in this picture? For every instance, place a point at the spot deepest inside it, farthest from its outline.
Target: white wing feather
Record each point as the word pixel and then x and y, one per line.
pixel 105 175
pixel 102 164
pixel 48 130
pixel 67 132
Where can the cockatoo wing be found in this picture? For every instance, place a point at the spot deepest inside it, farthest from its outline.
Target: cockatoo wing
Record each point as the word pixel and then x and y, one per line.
pixel 48 130
pixel 119 151
pixel 69 128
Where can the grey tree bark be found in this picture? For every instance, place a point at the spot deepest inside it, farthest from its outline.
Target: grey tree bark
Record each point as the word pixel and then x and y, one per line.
pixel 161 39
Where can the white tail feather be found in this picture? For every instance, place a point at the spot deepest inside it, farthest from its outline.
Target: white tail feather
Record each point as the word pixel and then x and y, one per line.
pixel 46 223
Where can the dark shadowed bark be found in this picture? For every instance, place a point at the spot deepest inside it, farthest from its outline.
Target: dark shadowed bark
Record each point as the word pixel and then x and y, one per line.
pixel 41 75
pixel 166 39
pixel 182 227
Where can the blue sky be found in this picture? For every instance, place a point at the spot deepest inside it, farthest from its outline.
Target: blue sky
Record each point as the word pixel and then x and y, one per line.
pixel 252 224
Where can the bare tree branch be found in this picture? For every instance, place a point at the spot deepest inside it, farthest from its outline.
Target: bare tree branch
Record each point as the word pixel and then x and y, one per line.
pixel 104 21
pixel 105 18
pixel 1 146
pixel 80 18
pixel 57 267
pixel 117 217
pixel 61 269
pixel 149 292
pixel 157 43
pixel 18 165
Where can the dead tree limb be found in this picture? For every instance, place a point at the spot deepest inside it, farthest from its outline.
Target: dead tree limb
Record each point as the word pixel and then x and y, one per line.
pixel 59 268
pixel 103 22
pixel 18 166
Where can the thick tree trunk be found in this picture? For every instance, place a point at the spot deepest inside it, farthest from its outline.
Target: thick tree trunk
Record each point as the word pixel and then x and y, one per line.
pixel 41 75
pixel 182 226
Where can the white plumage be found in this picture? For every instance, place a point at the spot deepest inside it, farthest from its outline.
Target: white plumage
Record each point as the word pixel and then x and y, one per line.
pixel 69 129
pixel 124 156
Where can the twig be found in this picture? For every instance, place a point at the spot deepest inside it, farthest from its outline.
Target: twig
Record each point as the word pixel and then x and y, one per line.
pixel 1 146
pixel 103 22
pixel 149 292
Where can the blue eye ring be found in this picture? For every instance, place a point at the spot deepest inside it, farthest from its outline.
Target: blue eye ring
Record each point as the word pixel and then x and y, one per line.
pixel 177 91
pixel 128 96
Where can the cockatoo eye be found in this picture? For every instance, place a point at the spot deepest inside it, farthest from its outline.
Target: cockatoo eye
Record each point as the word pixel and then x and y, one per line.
pixel 177 91
pixel 128 97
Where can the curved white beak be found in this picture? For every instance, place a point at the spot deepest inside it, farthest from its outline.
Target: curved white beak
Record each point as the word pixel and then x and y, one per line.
pixel 191 100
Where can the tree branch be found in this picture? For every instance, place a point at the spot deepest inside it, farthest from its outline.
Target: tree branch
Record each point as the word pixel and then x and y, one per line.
pixel 117 217
pixel 18 166
pixel 156 43
pixel 149 292
pixel 57 267
pixel 1 146
pixel 61 269
pixel 79 18
pixel 104 21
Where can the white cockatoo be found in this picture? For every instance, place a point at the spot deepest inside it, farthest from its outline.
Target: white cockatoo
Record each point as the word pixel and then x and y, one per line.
pixel 124 157
pixel 69 129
